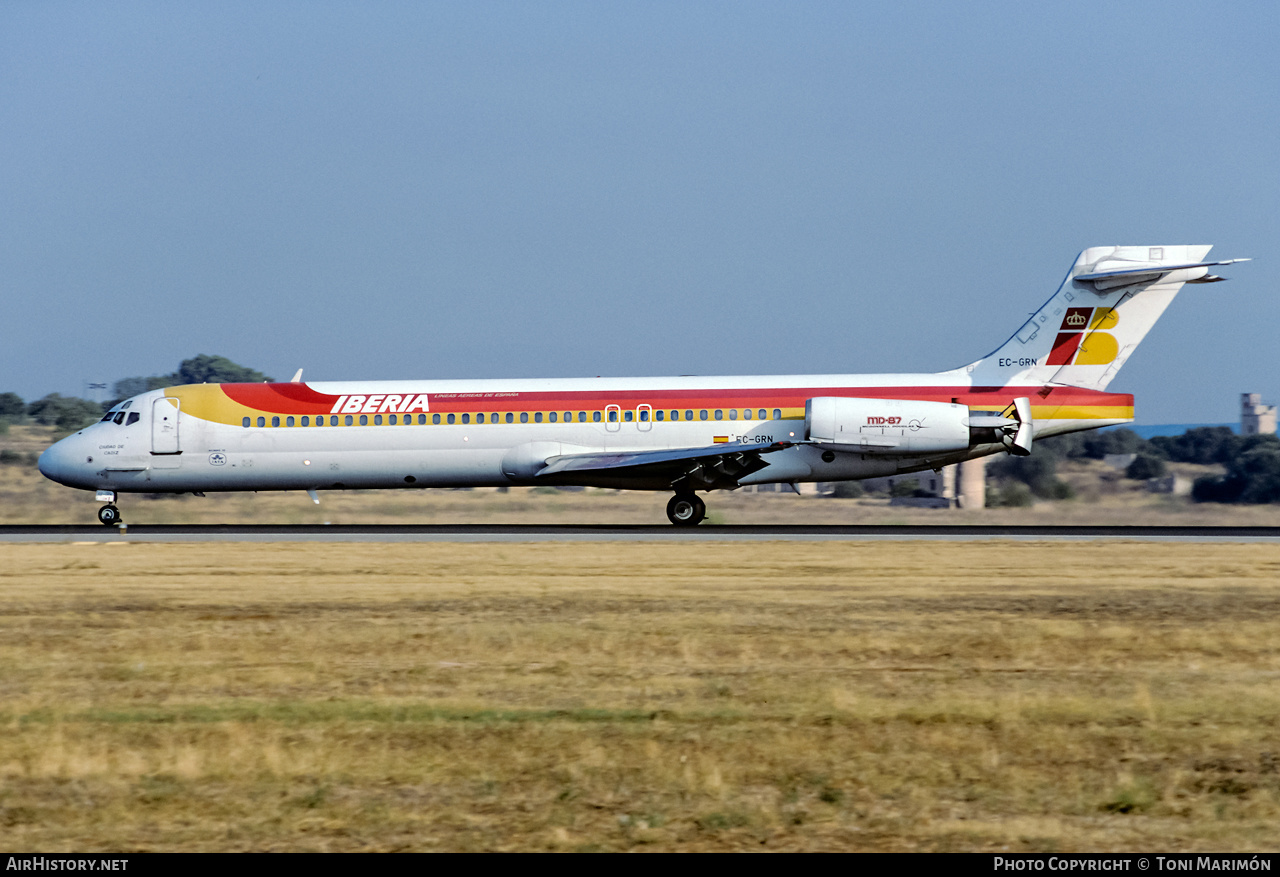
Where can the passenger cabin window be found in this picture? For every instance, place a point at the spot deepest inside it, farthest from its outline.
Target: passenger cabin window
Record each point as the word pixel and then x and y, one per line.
pixel 377 420
pixel 613 417
pixel 466 418
pixel 364 419
pixel 275 421
pixel 435 418
pixel 346 421
pixel 422 420
pixel 702 415
pixel 764 415
pixel 688 415
pixel 659 414
pixel 537 418
pixel 524 416
pixel 333 419
pixel 306 421
pixel 568 417
pixel 628 416
pixel 733 413
pixel 392 420
pixel 644 415
pixel 479 418
pixel 777 414
pixel 244 423
pixel 288 421
pixel 551 418
pixel 262 421
pixel 510 417
pixel 582 417
pixel 595 416
pixel 719 414
pixel 450 418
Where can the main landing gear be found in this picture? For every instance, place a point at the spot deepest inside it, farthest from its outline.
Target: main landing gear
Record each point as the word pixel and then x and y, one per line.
pixel 686 510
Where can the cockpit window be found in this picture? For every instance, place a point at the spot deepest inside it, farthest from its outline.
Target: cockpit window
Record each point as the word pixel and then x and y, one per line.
pixel 126 405
pixel 119 418
pixel 108 416
pixel 133 418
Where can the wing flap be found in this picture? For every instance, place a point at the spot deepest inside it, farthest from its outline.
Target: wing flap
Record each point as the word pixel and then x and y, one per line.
pixel 716 466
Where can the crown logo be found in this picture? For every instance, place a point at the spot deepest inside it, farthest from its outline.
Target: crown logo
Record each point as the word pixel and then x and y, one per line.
pixel 1074 320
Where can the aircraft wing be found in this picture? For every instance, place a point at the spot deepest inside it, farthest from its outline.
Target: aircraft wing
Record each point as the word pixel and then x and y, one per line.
pixel 706 468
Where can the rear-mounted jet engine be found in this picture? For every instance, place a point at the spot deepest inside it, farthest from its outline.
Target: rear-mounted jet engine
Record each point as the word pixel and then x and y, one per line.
pixel 900 427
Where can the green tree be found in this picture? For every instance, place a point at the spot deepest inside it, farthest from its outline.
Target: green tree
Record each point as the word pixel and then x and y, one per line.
pixel 1144 466
pixel 201 369
pixel 1253 476
pixel 204 369
pixel 1012 494
pixel 1092 444
pixel 126 387
pixel 1098 444
pixel 848 489
pixel 1203 445
pixel 65 412
pixel 905 487
pixel 1038 472
pixel 11 405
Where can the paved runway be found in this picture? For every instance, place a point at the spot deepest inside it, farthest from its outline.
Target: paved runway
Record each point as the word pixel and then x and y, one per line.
pixel 613 533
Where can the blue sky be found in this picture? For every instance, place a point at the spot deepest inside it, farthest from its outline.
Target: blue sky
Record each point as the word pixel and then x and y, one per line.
pixel 423 190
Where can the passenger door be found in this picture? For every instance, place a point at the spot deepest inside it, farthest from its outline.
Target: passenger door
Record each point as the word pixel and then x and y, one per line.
pixel 166 438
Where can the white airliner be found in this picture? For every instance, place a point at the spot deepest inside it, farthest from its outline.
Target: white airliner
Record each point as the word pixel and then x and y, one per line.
pixel 682 434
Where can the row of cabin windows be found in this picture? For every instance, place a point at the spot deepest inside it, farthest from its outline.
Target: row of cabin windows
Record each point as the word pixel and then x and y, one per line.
pixel 510 417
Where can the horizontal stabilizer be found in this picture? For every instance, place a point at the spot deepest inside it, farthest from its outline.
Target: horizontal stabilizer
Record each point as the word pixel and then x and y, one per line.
pixel 1143 273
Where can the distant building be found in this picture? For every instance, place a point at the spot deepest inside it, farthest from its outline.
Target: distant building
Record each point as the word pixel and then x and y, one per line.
pixel 1171 483
pixel 1256 418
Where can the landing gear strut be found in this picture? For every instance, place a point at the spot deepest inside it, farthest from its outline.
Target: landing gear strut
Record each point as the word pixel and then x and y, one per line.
pixel 686 510
pixel 109 515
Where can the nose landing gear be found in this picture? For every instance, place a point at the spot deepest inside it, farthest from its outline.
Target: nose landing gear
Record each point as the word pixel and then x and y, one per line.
pixel 686 510
pixel 108 514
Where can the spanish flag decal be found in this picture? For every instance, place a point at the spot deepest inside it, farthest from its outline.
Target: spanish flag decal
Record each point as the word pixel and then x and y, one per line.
pixel 721 439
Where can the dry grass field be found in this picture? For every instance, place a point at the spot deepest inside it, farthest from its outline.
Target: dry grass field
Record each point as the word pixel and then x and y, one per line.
pixel 822 696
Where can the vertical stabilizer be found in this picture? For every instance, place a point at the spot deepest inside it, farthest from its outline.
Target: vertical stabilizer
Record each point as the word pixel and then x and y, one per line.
pixel 1106 305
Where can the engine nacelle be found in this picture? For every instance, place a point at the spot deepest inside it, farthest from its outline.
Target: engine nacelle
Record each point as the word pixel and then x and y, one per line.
pixel 887 426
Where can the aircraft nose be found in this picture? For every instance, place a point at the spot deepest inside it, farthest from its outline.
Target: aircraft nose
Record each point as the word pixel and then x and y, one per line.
pixel 61 461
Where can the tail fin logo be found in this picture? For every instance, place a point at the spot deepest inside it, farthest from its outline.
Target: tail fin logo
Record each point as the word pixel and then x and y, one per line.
pixel 1080 341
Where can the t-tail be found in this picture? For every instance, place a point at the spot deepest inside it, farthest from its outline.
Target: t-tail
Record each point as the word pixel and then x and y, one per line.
pixel 1051 376
pixel 1108 302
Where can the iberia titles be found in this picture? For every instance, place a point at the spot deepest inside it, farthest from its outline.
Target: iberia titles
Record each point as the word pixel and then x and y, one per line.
pixel 380 404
